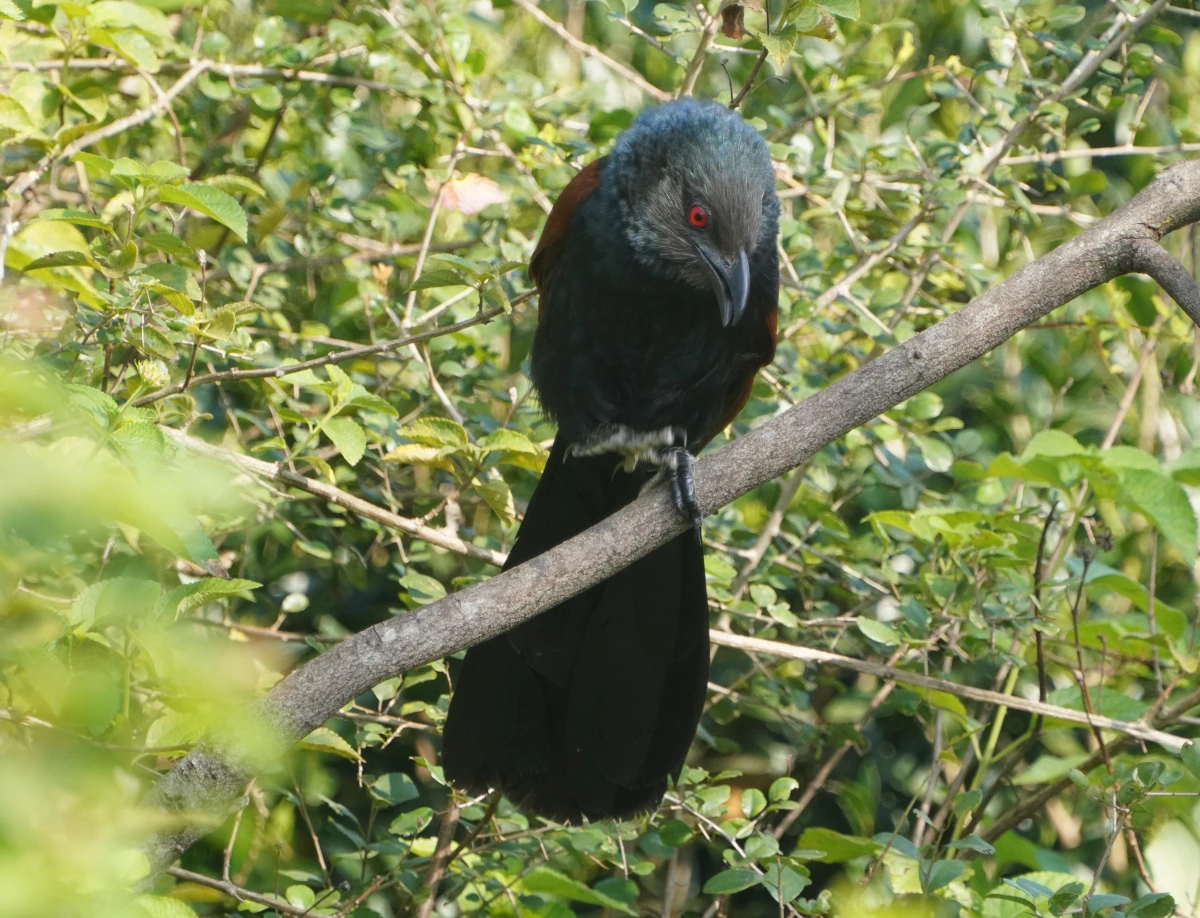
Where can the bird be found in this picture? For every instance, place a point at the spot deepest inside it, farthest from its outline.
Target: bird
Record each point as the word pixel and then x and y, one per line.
pixel 658 285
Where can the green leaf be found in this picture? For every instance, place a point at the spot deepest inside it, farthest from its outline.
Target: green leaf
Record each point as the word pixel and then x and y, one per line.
pixel 938 874
pixel 422 589
pixel 1191 758
pixel 1049 768
pixel 348 436
pixel 1102 901
pixel 967 801
pixel 847 9
pixel 439 277
pixel 1152 905
pixel 97 166
pixel 62 260
pixel 972 843
pixel 551 882
pixel 780 46
pixel 300 896
pixel 937 454
pixel 162 906
pixel 9 10
pixel 753 802
pixel 877 631
pixel 76 217
pixel 394 788
pixel 323 739
pixel 731 881
pixel 212 202
pixel 782 788
pixel 512 441
pixel 140 440
pixel 411 823
pixel 1186 469
pixel 119 14
pixel 675 833
pixel 435 432
pixel 1166 504
pixel 222 324
pixel 1066 897
pixel 498 495
pixel 783 883
pixel 1064 15
pixel 420 454
pixel 184 598
pixel 837 847
pixel 164 171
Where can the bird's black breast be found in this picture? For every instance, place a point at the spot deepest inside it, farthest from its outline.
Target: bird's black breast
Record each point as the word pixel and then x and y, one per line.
pixel 618 345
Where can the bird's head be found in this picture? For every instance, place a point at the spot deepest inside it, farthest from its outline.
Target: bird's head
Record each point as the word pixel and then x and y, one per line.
pixel 697 197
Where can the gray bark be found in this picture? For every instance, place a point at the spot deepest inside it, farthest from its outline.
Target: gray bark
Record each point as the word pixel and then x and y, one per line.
pixel 203 786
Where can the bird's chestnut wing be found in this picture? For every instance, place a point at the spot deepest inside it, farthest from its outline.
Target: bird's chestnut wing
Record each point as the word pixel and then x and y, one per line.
pixel 554 233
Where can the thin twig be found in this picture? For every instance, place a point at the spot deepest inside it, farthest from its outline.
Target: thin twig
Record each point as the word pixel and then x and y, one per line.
pixel 594 53
pixel 237 892
pixel 351 353
pixel 441 857
pixel 276 471
pixel 697 62
pixel 26 180
pixel 1136 729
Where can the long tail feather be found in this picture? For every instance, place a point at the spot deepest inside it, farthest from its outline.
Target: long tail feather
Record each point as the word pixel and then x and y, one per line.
pixel 587 710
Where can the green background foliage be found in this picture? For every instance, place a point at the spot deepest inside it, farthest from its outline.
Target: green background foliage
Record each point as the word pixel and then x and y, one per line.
pixel 222 190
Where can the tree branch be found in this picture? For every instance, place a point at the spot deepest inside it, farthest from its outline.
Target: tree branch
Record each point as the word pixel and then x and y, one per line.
pixel 213 774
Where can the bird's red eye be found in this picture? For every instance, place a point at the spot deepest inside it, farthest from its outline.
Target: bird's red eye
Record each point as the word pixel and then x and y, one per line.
pixel 698 216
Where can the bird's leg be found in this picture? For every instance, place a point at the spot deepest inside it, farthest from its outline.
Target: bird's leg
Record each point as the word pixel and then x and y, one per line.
pixel 665 448
pixel 679 468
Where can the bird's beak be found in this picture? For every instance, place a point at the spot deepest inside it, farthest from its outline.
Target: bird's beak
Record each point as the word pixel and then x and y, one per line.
pixel 730 282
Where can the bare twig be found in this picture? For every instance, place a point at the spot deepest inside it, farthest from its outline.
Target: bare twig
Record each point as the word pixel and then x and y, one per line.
pixel 811 655
pixel 237 892
pixel 1054 156
pixel 26 180
pixel 594 53
pixel 277 471
pixel 697 62
pixel 235 71
pixel 351 353
pixel 441 857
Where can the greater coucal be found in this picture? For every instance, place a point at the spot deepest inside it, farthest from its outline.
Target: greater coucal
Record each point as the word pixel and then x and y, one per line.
pixel 659 285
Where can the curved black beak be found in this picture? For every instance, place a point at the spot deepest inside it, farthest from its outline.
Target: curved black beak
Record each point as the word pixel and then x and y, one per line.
pixel 730 282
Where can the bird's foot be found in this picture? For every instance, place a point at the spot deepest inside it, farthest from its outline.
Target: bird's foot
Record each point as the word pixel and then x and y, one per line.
pixel 665 448
pixel 679 468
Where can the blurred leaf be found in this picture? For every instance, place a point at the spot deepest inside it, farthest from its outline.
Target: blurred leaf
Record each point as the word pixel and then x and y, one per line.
pixel 323 739
pixel 552 883
pixel 212 202
pixel 732 881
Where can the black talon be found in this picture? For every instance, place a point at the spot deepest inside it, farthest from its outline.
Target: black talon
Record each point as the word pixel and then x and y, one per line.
pixel 681 472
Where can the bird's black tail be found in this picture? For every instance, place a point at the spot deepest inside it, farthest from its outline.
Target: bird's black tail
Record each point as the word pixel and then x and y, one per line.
pixel 586 710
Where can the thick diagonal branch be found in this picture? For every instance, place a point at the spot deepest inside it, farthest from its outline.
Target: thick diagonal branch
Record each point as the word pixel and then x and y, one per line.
pixel 212 775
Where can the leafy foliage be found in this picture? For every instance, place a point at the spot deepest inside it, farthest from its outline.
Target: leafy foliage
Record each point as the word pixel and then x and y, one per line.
pixel 262 295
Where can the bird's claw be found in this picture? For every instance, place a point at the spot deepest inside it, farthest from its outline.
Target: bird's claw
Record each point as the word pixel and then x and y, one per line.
pixel 665 448
pixel 679 468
